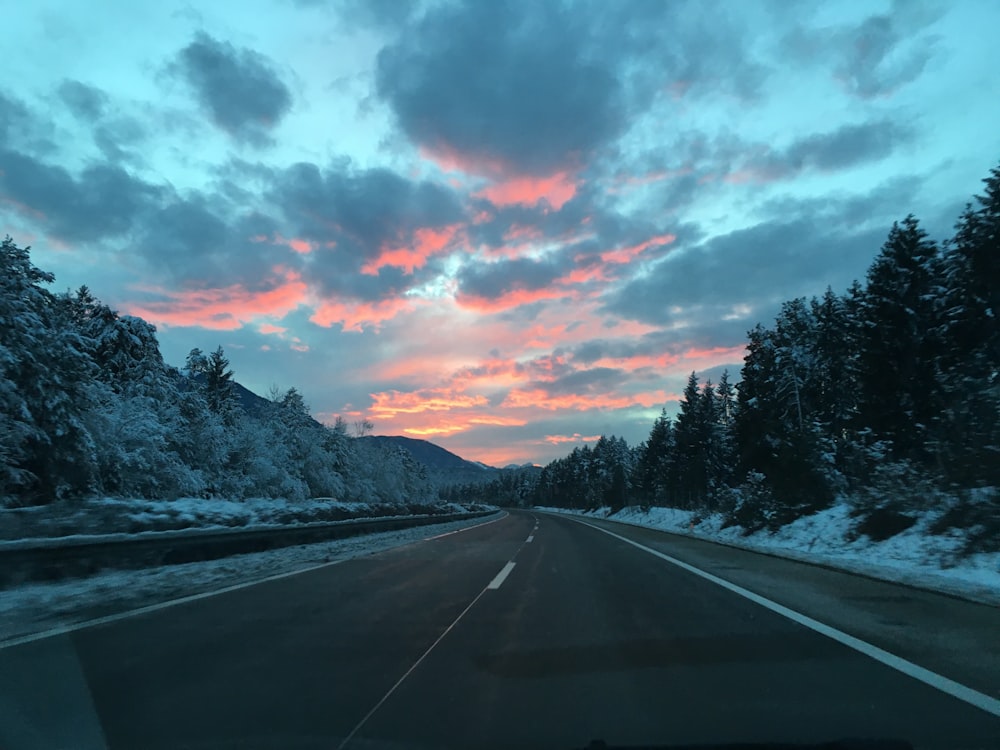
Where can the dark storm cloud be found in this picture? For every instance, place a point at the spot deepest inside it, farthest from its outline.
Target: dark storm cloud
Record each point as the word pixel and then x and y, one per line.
pixel 876 56
pixel 757 267
pixel 239 88
pixel 537 87
pixel 493 280
pixel 104 201
pixel 86 102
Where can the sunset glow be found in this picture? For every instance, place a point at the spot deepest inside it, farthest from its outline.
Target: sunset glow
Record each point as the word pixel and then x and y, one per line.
pixel 507 227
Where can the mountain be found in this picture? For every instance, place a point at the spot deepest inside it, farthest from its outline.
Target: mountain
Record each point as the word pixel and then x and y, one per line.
pixel 252 404
pixel 443 464
pixel 430 455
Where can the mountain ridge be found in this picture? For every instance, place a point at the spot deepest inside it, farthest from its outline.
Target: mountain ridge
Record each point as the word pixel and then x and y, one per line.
pixel 432 455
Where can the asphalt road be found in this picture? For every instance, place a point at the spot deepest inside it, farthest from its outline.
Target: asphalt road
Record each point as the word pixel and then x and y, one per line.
pixel 443 643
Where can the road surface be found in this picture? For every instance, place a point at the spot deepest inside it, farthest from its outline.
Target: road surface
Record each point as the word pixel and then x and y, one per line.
pixel 531 631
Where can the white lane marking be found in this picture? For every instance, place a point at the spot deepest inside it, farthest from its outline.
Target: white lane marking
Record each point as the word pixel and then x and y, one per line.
pixel 501 576
pixel 935 680
pixel 530 538
pixel 64 629
pixel 474 526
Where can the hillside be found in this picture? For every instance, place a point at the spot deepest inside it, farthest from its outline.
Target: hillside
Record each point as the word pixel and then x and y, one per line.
pixel 430 455
pixel 446 466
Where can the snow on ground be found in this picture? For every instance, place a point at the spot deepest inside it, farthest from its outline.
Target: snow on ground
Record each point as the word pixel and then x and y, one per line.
pixel 914 557
pixel 36 607
pixel 134 516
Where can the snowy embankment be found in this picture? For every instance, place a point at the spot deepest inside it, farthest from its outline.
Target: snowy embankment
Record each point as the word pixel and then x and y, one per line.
pixel 119 516
pixel 914 557
pixel 37 607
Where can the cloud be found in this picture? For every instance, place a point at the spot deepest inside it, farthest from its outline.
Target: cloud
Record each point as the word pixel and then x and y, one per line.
pixel 368 208
pixel 387 405
pixel 746 273
pixel 875 56
pixel 490 281
pixel 104 201
pixel 356 316
pixel 411 254
pixel 539 398
pixel 239 88
pixel 537 103
pixel 85 102
pixel 554 190
pixel 380 14
pixel 23 129
pixel 576 437
pixel 115 137
pixel 13 114
pixel 843 148
pixel 226 308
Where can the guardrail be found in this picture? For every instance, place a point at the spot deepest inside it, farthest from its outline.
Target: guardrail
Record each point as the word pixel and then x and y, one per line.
pixel 76 556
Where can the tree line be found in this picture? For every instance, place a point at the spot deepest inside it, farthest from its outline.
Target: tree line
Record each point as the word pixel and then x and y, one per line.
pixel 886 396
pixel 89 407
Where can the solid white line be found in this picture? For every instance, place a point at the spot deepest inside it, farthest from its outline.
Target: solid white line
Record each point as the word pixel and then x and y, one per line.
pixel 64 629
pixel 474 526
pixel 501 576
pixel 530 538
pixel 935 680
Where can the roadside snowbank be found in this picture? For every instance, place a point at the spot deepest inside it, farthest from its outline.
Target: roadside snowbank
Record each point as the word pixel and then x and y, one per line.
pixel 37 607
pixel 134 516
pixel 914 557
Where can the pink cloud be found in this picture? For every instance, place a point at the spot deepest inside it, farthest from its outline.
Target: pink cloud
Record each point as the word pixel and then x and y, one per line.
pixel 626 254
pixel 513 298
pixel 426 242
pixel 356 316
pixel 270 328
pixel 576 437
pixel 302 247
pixel 226 308
pixel 556 190
pixel 539 399
pixel 389 404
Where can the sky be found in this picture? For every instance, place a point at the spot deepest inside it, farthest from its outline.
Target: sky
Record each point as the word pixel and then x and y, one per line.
pixel 506 227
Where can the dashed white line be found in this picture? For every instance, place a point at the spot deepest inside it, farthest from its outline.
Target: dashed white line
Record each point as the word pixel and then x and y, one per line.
pixel 459 531
pixel 530 538
pixel 494 584
pixel 501 576
pixel 945 685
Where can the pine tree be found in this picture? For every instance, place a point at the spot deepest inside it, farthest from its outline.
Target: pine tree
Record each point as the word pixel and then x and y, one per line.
pixel 48 451
pixel 653 466
pixel 969 358
pixel 899 396
pixel 690 435
pixel 724 434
